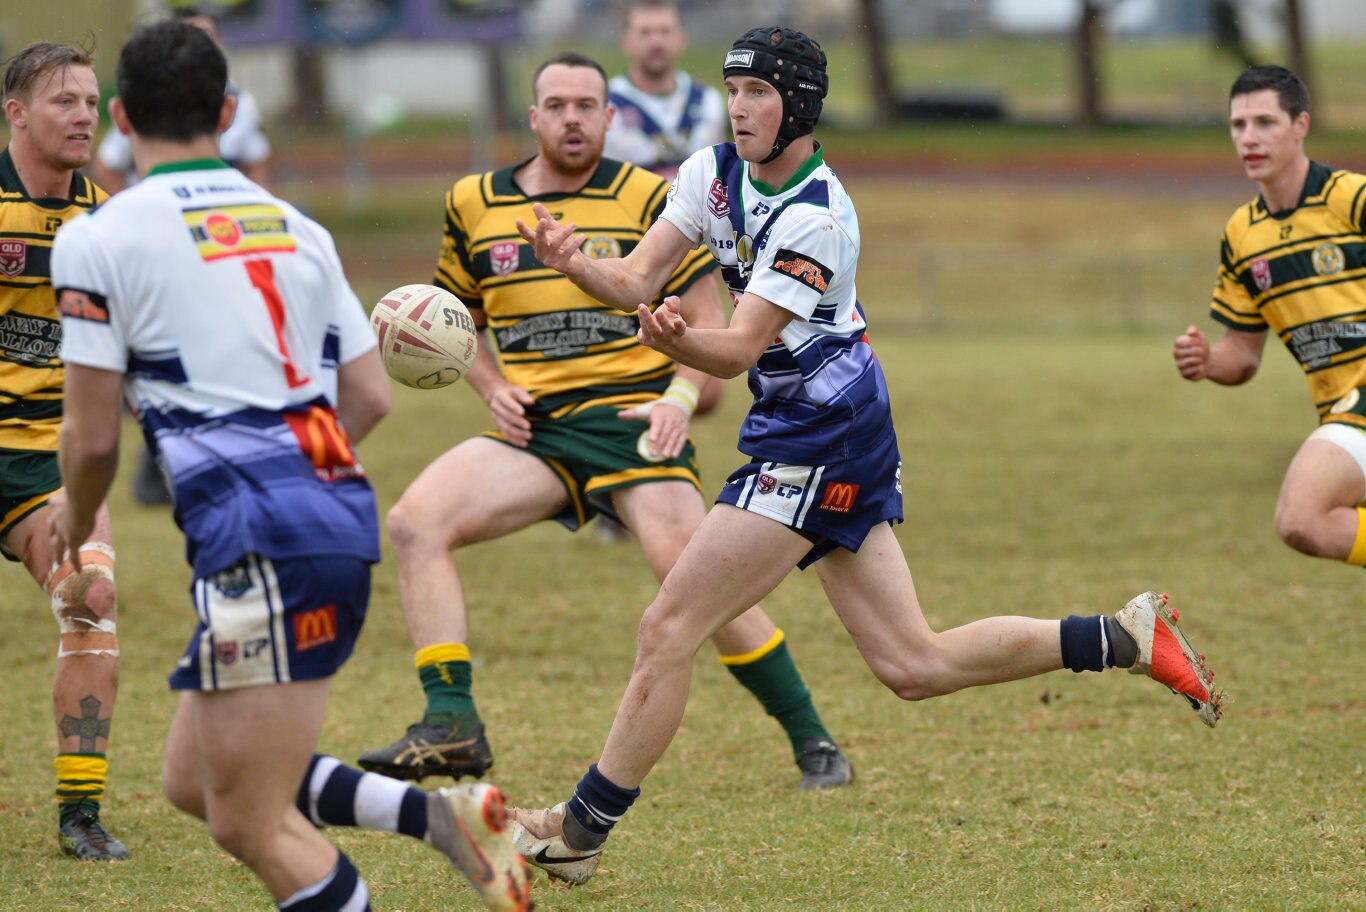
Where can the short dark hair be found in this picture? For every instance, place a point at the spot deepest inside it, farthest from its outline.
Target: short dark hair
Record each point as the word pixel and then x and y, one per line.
pixel 24 69
pixel 171 81
pixel 1289 88
pixel 633 5
pixel 569 59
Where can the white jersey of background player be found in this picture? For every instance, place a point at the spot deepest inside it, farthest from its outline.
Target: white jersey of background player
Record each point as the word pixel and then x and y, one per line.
pixel 201 370
pixel 243 144
pixel 659 131
pixel 662 114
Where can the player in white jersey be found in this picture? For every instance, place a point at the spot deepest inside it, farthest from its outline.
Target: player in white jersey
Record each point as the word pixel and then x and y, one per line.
pixel 823 483
pixel 223 316
pixel 663 114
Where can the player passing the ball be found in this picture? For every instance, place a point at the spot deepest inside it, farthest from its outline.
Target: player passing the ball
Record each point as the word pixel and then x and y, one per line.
pixel 822 487
pixel 587 421
pixel 1294 262
pixel 224 316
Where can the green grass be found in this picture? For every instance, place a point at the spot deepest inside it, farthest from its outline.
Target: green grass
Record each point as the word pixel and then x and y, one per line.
pixel 1054 464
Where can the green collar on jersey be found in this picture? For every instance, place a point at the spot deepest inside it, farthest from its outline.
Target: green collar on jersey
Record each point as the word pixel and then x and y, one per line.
pixel 811 164
pixel 192 164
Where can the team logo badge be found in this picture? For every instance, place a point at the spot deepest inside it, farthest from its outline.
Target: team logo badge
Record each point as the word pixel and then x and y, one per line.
pixel 601 248
pixel 226 652
pixel 504 257
pixel 839 497
pixel 234 582
pixel 718 200
pixel 1346 403
pixel 643 448
pixel 13 257
pixel 1328 259
pixel 767 483
pixel 1261 273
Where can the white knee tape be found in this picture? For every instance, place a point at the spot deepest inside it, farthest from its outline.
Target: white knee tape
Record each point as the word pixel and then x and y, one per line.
pixel 72 590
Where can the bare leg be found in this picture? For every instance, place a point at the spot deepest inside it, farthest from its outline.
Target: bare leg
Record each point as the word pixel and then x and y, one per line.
pixel 1316 511
pixel 664 517
pixel 480 490
pixel 251 748
pixel 735 559
pixel 874 595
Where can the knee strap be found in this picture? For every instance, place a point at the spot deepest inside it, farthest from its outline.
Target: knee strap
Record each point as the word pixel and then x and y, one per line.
pixel 84 628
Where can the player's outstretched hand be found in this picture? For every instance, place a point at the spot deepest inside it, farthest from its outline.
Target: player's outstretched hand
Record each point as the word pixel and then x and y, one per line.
pixel 508 405
pixel 555 245
pixel 1191 351
pixel 663 327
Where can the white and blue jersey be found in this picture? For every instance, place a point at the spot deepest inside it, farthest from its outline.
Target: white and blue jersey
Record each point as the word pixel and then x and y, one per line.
pixel 228 313
pixel 657 132
pixel 819 394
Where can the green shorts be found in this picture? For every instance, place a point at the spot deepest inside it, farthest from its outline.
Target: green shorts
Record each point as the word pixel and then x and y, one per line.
pixel 27 479
pixel 593 453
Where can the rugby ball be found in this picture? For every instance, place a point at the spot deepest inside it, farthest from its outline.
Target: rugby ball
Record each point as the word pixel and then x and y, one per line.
pixel 427 338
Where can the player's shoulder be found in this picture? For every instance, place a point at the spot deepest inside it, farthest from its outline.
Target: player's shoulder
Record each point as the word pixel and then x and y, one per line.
pixel 1342 190
pixel 483 190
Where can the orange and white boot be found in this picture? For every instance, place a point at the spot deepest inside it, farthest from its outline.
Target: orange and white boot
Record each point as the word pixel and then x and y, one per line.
pixel 1166 656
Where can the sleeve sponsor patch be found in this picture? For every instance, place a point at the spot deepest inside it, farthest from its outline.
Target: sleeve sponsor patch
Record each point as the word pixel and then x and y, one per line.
pixel 803 269
pixel 83 305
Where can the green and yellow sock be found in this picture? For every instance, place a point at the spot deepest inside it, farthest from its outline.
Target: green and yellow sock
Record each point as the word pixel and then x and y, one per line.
pixel 446 676
pixel 80 782
pixel 1358 556
pixel 770 674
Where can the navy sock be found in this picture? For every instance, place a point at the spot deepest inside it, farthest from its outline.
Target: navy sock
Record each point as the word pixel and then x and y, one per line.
pixel 598 803
pixel 339 890
pixel 1083 643
pixel 334 794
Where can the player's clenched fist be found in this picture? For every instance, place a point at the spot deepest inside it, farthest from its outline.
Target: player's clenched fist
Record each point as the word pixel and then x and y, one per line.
pixel 1191 351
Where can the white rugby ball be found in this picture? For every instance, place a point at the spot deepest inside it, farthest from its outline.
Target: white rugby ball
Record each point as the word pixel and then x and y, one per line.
pixel 427 338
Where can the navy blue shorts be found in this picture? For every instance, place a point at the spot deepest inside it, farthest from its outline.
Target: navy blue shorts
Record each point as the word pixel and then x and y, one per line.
pixel 272 622
pixel 834 505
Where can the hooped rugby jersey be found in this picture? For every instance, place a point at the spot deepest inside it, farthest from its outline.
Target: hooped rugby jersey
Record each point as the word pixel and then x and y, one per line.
pixel 659 131
pixel 1302 274
pixel 819 393
pixel 229 315
pixel 567 349
pixel 31 374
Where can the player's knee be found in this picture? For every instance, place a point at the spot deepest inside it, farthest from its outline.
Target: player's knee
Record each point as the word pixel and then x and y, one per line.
pixel 1298 529
pixel 85 603
pixel 911 677
pixel 665 636
pixel 182 792
pixel 411 526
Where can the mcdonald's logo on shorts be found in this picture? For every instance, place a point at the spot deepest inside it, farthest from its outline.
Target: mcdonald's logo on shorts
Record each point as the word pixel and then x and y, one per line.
pixel 315 628
pixel 839 497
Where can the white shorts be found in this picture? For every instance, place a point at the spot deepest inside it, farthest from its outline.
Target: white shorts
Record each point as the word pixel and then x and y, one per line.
pixel 1348 438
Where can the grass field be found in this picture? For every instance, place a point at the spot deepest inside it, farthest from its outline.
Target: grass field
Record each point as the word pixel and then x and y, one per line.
pixel 1055 464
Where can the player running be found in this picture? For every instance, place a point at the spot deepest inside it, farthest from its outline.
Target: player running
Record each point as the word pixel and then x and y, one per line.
pixel 822 487
pixel 223 315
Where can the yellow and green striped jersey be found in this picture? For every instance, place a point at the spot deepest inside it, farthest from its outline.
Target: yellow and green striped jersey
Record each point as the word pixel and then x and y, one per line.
pixel 30 332
pixel 1302 274
pixel 565 348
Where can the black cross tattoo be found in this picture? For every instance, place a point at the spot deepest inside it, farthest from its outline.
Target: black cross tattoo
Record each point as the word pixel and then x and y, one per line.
pixel 89 726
